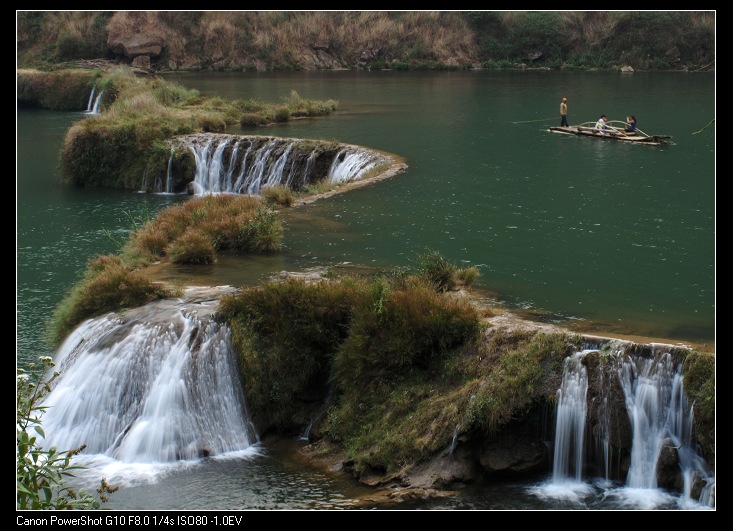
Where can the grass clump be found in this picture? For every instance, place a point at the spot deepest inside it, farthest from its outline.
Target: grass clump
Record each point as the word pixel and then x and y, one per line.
pixel 62 90
pixel 286 334
pixel 193 247
pixel 192 232
pixel 107 286
pixel 515 376
pixel 278 195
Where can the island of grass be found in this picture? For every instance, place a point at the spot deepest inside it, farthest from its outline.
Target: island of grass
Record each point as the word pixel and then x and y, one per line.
pixel 129 139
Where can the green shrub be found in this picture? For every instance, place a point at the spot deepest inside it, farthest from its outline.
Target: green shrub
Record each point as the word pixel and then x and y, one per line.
pixel 211 123
pixel 468 275
pixel 193 247
pixel 263 234
pixel 536 30
pixel 286 334
pixel 41 472
pixel 437 270
pixel 70 46
pixel 282 114
pixel 395 330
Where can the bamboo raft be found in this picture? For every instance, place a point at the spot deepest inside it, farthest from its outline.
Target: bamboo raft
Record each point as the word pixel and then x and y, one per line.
pixel 614 131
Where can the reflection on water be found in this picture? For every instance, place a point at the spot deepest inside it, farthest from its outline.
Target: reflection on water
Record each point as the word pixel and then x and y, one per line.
pixel 264 479
pixel 270 479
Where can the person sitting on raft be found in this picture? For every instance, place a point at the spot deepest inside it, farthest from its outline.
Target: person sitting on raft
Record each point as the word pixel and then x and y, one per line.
pixel 631 121
pixel 601 123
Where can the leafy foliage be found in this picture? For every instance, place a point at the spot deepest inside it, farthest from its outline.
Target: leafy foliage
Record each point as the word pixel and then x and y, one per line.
pixel 41 473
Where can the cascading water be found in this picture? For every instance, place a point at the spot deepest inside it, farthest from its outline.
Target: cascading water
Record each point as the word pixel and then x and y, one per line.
pixel 90 103
pixel 310 161
pixel 569 443
pixel 570 422
pixel 93 103
pixel 169 174
pixel 273 161
pixel 349 164
pixel 659 415
pixel 153 385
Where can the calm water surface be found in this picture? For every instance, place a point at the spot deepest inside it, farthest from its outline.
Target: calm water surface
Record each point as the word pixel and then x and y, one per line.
pixel 619 237
pixel 615 238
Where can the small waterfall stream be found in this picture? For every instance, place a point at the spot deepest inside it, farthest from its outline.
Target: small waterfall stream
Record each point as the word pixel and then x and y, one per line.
pixel 93 103
pixel 570 422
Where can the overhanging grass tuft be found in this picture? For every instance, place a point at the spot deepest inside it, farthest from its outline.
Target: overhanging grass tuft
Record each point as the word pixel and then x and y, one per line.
pixel 107 286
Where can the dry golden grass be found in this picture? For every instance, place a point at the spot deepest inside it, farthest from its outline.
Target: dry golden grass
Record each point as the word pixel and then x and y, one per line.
pixel 220 35
pixel 130 22
pixel 293 39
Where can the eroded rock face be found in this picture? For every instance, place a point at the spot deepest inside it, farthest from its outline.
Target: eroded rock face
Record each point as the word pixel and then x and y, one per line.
pixel 513 453
pixel 606 402
pixel 137 44
pixel 449 471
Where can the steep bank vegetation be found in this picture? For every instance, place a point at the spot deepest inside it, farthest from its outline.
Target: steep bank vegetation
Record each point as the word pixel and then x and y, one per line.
pixel 285 40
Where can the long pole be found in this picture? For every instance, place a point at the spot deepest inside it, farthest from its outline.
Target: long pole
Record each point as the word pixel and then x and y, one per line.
pixel 530 121
pixel 703 129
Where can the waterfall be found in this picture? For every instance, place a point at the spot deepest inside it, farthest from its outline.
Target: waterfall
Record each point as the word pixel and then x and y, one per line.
pixel 144 185
pixel 95 109
pixel 350 163
pixel 570 421
pixel 155 384
pixel 648 392
pixel 93 103
pixel 254 179
pixel 307 432
pixel 310 161
pixel 660 416
pixel 238 186
pixel 227 184
pixel 275 176
pixel 454 440
pixel 169 176
pixel 259 162
pixel 90 103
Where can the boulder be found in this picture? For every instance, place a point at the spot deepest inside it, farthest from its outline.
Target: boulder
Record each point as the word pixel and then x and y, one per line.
pixel 668 467
pixel 136 44
pixel 627 68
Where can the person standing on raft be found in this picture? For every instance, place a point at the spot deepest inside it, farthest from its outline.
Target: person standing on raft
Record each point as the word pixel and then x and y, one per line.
pixel 564 113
